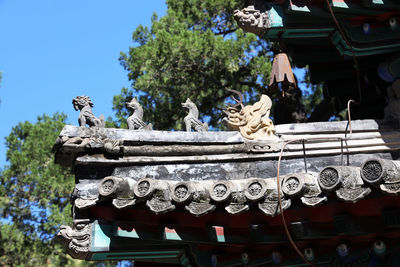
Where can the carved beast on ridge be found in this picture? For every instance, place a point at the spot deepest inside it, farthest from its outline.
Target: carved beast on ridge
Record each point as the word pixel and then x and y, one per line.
pixel 191 120
pixel 135 121
pixel 84 104
pixel 252 121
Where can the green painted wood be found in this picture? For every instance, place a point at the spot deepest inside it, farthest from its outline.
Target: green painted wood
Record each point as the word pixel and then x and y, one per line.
pixel 124 233
pixel 307 11
pixel 297 33
pixel 295 8
pixel 275 15
pixel 344 49
pixel 378 34
pixel 351 8
pixel 339 3
pixel 184 261
pixel 101 237
pixel 123 229
pixel 218 234
pixel 387 5
pixel 129 255
pixel 171 234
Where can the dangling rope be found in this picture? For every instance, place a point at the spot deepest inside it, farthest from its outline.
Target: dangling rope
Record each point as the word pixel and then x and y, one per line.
pixel 293 244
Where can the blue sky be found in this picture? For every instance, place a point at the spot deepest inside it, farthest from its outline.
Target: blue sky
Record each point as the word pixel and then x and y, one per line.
pixel 54 50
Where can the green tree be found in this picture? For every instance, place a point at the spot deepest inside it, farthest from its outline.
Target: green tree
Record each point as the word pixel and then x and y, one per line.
pixel 34 196
pixel 195 51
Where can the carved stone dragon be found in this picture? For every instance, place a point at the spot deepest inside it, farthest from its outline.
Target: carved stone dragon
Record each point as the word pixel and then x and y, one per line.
pixel 135 121
pixel 252 121
pixel 252 20
pixel 76 239
pixel 191 120
pixel 86 116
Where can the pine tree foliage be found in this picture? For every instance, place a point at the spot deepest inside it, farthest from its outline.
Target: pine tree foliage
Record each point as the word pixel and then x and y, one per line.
pixel 195 51
pixel 34 196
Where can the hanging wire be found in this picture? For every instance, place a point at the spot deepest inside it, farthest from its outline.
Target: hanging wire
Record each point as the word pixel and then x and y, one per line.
pixel 341 151
pixel 356 66
pixel 304 156
pixel 280 206
pixel 293 244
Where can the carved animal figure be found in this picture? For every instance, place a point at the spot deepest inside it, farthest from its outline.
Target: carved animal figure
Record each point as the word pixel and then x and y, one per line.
pixel 252 20
pixel 76 239
pixel 135 121
pixel 252 121
pixel 191 120
pixel 84 104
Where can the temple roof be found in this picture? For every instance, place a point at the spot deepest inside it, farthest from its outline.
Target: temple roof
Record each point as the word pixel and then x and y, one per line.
pixel 174 197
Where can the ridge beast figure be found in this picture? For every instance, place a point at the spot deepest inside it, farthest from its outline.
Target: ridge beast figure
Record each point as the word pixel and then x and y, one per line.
pixel 191 120
pixel 84 104
pixel 135 121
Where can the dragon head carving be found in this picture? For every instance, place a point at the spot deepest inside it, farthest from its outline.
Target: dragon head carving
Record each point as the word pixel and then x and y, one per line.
pixel 188 104
pixel 81 101
pixel 133 104
pixel 76 239
pixel 252 121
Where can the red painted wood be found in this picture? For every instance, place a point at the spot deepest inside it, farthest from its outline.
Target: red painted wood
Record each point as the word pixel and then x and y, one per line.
pixel 366 208
pixel 219 230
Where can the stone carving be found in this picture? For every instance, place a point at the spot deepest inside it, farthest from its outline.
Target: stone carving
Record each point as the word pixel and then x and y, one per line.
pixel 221 191
pixel 182 192
pixel 144 187
pixel 263 147
pixel 329 179
pixel 135 121
pixel 79 144
pixel 312 194
pixel 85 202
pixel 252 20
pixel 313 201
pixel 191 120
pixel 252 121
pixel 237 203
pixel 76 239
pixel 160 201
pixel 119 188
pixel 352 194
pixel 383 172
pixel 352 188
pixel 391 189
pixel 348 178
pixel 157 193
pixel 123 203
pixel 200 204
pixel 255 189
pixel 202 197
pixel 372 172
pixel 292 185
pixel 305 185
pixel 86 116
pixel 109 186
pixel 270 206
pixel 84 199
